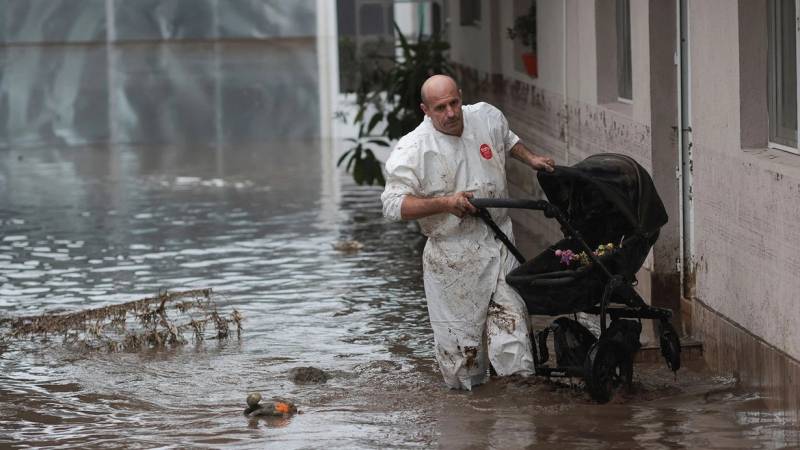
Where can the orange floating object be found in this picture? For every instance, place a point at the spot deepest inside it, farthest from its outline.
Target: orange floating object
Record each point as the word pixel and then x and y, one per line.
pixel 275 407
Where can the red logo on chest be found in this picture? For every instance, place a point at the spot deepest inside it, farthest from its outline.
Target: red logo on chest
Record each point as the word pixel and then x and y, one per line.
pixel 486 151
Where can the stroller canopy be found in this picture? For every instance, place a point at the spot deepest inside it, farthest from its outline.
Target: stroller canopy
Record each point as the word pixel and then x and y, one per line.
pixel 602 190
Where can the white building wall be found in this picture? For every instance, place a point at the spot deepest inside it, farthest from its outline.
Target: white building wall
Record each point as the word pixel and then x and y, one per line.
pixel 471 48
pixel 568 124
pixel 471 45
pixel 581 54
pixel 747 207
pixel 746 197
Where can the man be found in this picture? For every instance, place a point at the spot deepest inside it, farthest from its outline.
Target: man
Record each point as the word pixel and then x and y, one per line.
pixel 456 153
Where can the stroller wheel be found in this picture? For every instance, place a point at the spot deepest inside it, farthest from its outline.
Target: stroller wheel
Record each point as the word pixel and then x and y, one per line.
pixel 606 368
pixel 670 346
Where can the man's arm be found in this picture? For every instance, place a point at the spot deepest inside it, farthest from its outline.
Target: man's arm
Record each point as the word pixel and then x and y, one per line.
pixel 419 207
pixel 537 162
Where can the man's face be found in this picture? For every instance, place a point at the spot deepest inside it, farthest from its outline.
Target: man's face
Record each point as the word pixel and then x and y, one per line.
pixel 444 109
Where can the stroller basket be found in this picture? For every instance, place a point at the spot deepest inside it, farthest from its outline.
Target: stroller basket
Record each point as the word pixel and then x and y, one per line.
pixel 550 288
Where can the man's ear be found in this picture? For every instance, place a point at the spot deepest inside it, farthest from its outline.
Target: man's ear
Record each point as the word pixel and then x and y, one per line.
pixel 424 108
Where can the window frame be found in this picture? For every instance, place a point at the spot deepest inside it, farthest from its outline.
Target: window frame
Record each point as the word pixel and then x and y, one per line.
pixel 517 48
pixel 476 10
pixel 772 73
pixel 624 53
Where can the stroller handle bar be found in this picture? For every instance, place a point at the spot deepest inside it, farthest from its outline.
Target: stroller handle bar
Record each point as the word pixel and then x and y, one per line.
pixel 539 205
pixel 550 211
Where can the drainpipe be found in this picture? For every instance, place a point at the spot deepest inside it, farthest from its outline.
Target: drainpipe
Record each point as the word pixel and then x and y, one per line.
pixel 685 168
pixel 565 120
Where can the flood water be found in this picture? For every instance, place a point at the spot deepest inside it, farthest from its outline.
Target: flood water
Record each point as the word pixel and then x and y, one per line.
pixel 254 215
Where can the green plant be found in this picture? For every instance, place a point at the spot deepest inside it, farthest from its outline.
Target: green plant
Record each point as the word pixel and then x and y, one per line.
pixel 391 93
pixel 361 160
pixel 525 28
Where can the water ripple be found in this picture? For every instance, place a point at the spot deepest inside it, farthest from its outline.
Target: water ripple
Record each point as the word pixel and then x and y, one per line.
pixel 265 243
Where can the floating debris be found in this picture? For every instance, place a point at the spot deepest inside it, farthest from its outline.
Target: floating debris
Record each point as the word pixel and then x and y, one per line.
pixel 348 246
pixel 253 399
pixel 307 375
pixel 156 322
pixel 277 407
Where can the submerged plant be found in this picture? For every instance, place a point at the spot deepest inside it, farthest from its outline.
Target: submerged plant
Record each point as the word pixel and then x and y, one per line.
pixel 156 322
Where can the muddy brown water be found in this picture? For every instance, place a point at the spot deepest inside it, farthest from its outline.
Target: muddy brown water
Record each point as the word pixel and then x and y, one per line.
pixel 266 246
pixel 86 226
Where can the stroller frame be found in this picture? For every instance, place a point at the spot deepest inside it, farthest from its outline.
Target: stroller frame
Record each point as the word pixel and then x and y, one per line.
pixel 609 361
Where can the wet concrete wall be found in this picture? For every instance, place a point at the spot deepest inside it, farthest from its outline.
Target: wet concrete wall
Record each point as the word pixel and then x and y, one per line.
pixel 666 152
pixel 728 348
pixel 746 199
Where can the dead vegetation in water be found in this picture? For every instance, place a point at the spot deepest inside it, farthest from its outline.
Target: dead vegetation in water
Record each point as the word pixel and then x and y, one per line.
pixel 170 319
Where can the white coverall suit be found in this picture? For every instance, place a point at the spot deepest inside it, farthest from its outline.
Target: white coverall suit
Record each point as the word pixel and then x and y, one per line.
pixel 474 313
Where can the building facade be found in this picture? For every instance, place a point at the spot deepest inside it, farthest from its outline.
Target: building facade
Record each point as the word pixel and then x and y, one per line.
pixel 704 96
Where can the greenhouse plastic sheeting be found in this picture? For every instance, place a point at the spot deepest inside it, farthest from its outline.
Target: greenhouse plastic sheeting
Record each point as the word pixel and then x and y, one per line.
pixel 162 80
pixel 57 21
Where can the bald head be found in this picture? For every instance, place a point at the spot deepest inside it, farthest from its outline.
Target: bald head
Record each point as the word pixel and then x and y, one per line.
pixel 441 101
pixel 438 86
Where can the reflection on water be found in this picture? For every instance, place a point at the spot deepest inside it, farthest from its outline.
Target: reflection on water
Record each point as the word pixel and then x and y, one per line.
pixel 86 226
pixel 257 230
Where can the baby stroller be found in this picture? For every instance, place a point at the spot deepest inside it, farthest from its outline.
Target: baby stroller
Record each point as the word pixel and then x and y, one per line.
pixel 604 199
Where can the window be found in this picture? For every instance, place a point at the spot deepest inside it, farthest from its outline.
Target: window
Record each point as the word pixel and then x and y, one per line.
pixel 623 24
pixel 614 62
pixel 524 32
pixel 436 20
pixel 470 12
pixel 420 18
pixel 782 76
pixel 370 17
pixel 346 17
pixel 365 30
